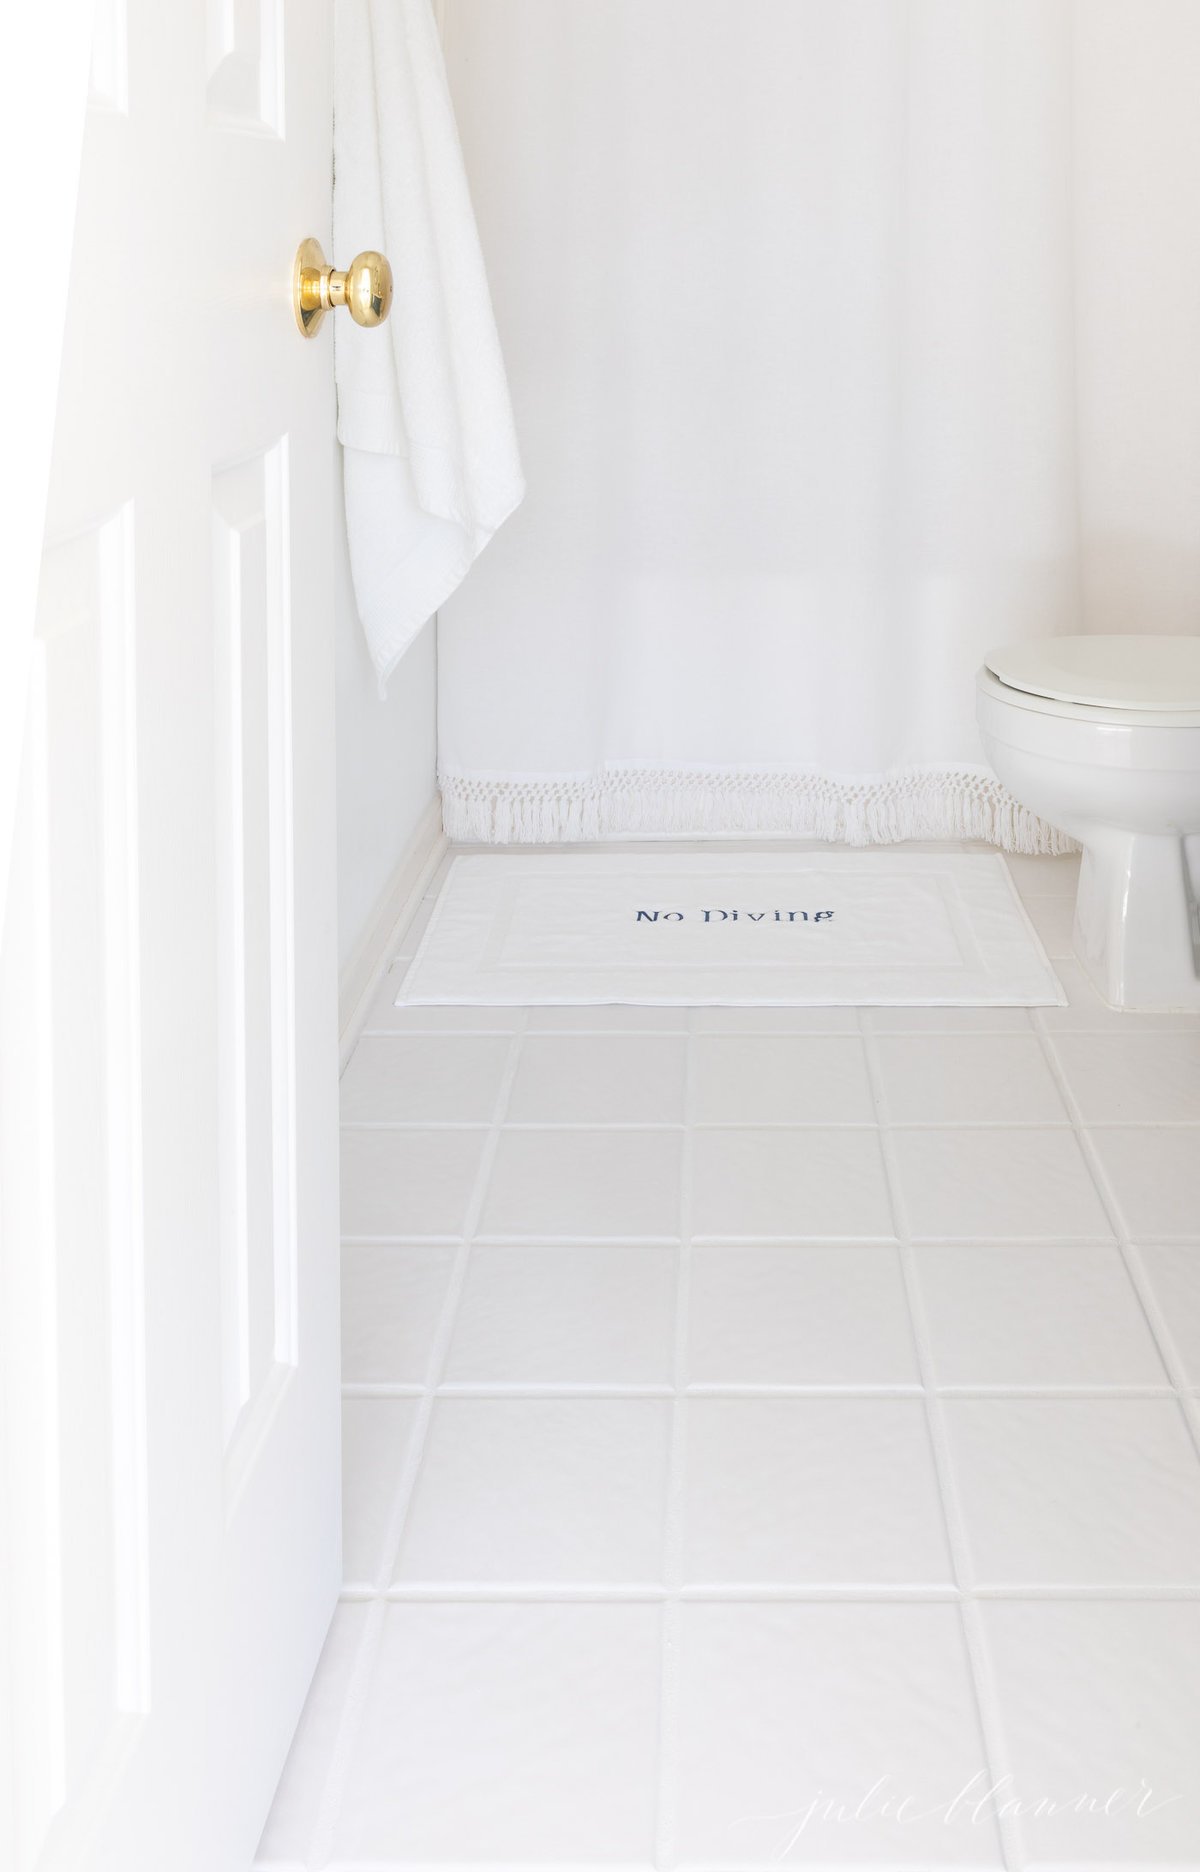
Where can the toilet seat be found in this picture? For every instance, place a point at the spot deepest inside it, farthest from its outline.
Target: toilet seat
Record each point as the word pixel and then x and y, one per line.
pixel 1144 680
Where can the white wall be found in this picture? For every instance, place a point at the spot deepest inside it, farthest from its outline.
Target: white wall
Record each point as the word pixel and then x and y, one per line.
pixel 386 756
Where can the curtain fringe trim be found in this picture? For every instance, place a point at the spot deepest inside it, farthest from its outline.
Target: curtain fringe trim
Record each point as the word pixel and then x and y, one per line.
pixel 875 810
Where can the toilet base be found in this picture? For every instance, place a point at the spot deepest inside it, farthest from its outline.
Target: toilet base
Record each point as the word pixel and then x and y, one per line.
pixel 1137 918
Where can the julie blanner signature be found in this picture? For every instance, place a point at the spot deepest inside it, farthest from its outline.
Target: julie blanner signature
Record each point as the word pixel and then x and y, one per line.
pixel 979 1801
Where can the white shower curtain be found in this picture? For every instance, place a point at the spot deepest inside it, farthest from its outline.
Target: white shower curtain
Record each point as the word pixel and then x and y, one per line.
pixel 846 338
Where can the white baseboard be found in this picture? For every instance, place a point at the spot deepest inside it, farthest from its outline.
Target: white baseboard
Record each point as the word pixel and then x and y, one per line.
pixel 365 970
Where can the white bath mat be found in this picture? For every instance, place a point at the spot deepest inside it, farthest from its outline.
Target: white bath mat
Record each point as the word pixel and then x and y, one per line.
pixel 810 929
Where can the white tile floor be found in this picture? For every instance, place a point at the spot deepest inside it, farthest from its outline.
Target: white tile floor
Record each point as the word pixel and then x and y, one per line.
pixel 771 1438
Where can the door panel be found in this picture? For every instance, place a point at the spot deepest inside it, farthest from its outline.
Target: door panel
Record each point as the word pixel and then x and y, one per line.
pixel 255 907
pixel 246 78
pixel 168 1201
pixel 75 1590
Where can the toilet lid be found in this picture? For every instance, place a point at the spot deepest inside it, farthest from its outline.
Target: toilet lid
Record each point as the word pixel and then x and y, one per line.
pixel 1107 672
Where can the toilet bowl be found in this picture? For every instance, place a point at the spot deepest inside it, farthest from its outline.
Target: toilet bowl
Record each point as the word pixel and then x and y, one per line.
pixel 1101 737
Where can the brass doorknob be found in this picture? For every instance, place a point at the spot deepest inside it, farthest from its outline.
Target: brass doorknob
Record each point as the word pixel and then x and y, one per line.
pixel 365 288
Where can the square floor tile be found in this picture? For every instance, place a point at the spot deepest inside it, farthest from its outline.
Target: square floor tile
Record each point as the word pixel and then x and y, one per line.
pixel 540 1489
pixel 621 1020
pixel 1079 1491
pixel 511 1734
pixel 804 1727
pixel 1135 1078
pixel 777 1020
pixel 392 1298
pixel 1054 920
pixel 424 1079
pixel 941 1079
pixel 288 1834
pixel 1174 1278
pixel 385 1017
pixel 799 1315
pixel 829 1491
pixel 1095 1699
pixel 997 1185
pixel 376 1435
pixel 402 1184
pixel 600 1079
pixel 1052 1315
pixel 789 1079
pixel 577 1315
pixel 1045 877
pixel 598 1185
pixel 946 1020
pixel 1155 1177
pixel 789 1185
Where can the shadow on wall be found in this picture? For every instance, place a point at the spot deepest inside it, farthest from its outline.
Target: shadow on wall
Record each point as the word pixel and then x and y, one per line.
pixel 386 757
pixel 1141 585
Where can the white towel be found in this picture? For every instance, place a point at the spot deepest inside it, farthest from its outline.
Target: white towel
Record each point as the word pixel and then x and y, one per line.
pixel 424 415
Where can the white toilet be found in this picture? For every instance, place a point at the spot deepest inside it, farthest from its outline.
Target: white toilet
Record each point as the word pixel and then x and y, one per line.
pixel 1101 737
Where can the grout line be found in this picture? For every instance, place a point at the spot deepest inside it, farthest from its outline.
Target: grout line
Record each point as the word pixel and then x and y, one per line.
pixel 1180 1593
pixel 666 1819
pixel 1066 1019
pixel 1146 1239
pixel 801 1393
pixel 648 1592
pixel 1076 1027
pixel 380 1388
pixel 499 1390
pixel 553 1388
pixel 452 1032
pixel 826 1239
pixel 417 1124
pixel 1070 1393
pixel 491 1865
pixel 1012 1238
pixel 987 1711
pixel 538 1124
pixel 527 1239
pixel 675 1126
pixel 362 1669
pixel 1134 1266
pixel 559 1238
pixel 350 1240
pixel 522 1592
pixel 761 1592
pixel 465 1391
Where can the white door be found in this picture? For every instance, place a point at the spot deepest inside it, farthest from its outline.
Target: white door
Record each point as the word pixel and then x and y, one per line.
pixel 168 1192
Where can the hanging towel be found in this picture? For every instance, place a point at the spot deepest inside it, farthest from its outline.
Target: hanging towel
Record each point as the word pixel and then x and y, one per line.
pixel 431 463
